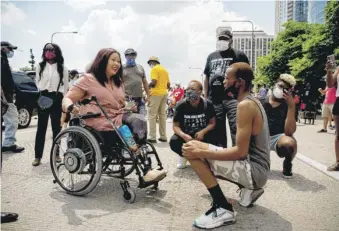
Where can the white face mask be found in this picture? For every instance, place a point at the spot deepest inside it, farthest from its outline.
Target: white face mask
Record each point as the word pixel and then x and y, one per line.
pixel 10 54
pixel 223 45
pixel 152 65
pixel 277 92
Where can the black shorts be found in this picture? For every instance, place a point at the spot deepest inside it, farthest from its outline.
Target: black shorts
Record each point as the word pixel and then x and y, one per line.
pixel 335 110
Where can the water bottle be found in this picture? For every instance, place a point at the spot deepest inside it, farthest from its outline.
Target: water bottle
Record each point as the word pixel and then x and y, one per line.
pixel 127 135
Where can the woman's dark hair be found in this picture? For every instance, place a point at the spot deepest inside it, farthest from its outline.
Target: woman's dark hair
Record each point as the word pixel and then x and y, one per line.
pixel 98 67
pixel 59 59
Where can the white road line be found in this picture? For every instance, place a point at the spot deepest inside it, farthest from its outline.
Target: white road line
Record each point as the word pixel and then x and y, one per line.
pixel 322 168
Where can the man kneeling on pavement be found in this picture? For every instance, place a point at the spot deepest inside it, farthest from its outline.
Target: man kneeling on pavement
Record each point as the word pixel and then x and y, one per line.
pixel 194 118
pixel 280 111
pixel 246 164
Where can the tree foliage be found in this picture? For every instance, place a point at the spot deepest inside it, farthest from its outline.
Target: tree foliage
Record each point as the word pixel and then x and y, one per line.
pixel 301 49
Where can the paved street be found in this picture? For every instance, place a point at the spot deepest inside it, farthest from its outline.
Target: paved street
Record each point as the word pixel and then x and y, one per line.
pixel 307 202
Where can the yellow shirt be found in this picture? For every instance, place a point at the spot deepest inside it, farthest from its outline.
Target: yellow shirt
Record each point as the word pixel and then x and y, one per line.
pixel 160 74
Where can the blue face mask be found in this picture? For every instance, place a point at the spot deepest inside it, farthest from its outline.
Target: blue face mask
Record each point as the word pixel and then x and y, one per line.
pixel 131 62
pixel 10 54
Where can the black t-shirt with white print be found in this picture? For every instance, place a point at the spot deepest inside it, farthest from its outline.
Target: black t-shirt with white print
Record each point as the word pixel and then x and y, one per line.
pixel 217 63
pixel 193 119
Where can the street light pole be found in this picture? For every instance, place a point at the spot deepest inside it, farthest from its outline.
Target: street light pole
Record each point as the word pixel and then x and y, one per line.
pixel 198 68
pixel 252 48
pixel 63 32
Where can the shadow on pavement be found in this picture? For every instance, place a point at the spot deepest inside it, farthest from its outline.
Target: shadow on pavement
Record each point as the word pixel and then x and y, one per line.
pixel 298 182
pixel 254 218
pixel 106 199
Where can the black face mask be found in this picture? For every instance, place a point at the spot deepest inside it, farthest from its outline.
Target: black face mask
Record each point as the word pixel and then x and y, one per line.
pixel 232 91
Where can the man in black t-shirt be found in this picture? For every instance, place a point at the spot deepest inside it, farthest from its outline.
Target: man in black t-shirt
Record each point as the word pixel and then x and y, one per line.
pixel 194 118
pixel 215 69
pixel 280 110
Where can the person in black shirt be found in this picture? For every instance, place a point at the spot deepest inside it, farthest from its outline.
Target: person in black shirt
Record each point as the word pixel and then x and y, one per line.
pixel 194 118
pixel 10 118
pixel 215 69
pixel 280 110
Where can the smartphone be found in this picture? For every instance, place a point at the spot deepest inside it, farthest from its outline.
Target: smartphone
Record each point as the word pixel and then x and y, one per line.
pixel 331 59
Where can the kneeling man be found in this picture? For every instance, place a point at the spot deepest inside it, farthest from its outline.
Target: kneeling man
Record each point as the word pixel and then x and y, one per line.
pixel 246 164
pixel 194 119
pixel 280 111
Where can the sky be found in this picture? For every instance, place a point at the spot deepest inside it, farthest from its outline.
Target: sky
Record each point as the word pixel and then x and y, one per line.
pixel 180 33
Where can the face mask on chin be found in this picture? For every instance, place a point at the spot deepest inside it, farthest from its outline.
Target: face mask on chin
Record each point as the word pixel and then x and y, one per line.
pixel 223 45
pixel 232 90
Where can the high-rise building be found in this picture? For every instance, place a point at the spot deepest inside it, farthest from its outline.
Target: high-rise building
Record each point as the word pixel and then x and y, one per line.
pixel 296 10
pixel 242 40
pixel 316 11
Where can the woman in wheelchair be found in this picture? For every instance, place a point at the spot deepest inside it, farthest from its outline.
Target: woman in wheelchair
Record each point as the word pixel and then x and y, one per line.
pixel 104 81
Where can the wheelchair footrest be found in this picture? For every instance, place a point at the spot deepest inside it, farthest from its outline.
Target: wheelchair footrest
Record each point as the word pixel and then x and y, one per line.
pixel 143 184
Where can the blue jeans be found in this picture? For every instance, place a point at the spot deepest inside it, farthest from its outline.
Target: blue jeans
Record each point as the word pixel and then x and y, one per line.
pixel 140 105
pixel 11 125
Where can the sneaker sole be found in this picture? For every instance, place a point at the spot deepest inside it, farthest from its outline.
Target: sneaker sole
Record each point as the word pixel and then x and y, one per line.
pixel 256 196
pixel 219 224
pixel 287 177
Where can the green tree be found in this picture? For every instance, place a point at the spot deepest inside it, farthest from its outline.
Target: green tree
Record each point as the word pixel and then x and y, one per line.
pixel 25 69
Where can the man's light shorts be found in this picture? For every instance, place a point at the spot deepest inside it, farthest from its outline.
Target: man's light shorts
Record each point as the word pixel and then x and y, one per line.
pixel 238 171
pixel 326 110
pixel 274 141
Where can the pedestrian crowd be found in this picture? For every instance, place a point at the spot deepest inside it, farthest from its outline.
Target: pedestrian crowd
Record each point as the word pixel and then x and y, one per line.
pixel 257 125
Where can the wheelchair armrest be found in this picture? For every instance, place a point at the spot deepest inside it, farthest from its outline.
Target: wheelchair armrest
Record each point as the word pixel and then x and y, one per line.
pixel 90 115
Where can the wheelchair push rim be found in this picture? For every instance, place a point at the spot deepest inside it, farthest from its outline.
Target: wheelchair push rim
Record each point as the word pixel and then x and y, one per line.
pixel 80 169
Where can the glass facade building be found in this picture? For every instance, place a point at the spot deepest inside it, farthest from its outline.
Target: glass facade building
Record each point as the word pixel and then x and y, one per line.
pixel 316 11
pixel 300 11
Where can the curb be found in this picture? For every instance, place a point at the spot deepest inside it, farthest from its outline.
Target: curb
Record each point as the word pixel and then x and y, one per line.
pixel 322 168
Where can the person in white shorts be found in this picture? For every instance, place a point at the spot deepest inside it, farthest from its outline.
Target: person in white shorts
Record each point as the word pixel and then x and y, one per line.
pixel 246 164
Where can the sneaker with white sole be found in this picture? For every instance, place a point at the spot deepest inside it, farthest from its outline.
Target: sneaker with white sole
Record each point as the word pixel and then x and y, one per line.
pixel 155 175
pixel 215 217
pixel 181 163
pixel 249 196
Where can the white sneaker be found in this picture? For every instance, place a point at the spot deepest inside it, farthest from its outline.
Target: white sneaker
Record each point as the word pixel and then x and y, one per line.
pixel 215 217
pixel 249 196
pixel 181 163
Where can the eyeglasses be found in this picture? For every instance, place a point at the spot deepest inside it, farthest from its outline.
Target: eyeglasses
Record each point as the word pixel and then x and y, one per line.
pixel 50 49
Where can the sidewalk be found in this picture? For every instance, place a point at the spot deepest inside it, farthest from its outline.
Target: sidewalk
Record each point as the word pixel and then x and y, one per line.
pixel 317 146
pixel 307 202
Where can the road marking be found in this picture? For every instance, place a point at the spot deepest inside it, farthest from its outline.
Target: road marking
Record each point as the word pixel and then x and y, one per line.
pixel 322 168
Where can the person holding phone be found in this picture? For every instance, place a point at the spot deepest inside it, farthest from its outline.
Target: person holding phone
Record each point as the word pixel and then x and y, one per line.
pixel 280 110
pixel 331 79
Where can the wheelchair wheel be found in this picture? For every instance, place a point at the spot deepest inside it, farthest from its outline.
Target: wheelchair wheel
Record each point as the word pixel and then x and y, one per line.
pixel 129 195
pixel 113 165
pixel 80 169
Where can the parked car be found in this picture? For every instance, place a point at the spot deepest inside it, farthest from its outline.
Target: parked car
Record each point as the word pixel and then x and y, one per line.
pixel 31 74
pixel 25 97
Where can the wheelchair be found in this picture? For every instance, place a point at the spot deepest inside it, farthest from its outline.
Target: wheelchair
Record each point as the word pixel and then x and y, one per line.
pixel 85 157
